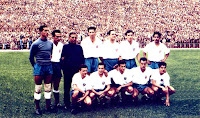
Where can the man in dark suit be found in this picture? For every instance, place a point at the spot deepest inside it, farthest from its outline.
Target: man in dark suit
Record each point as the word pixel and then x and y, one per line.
pixel 71 58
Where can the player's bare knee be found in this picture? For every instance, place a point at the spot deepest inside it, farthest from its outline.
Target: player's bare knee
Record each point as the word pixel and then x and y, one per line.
pixel 47 87
pixel 130 89
pixel 155 89
pixel 151 92
pixel 110 93
pixel 38 88
pixel 92 95
pixel 37 93
pixel 88 101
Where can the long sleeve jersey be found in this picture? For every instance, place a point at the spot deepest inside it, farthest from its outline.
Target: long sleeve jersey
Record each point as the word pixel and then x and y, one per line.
pixel 41 50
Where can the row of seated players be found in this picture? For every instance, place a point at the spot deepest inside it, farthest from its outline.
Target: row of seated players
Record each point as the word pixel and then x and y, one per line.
pixel 119 84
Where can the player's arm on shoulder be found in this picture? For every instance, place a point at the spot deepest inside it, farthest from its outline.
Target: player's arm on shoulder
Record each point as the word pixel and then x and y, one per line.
pixel 138 57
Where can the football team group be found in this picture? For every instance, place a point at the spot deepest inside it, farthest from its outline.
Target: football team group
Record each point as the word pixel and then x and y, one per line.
pixel 98 72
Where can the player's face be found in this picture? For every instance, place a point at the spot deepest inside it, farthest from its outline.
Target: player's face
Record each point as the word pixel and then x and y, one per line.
pixel 83 72
pixel 73 38
pixel 45 32
pixel 122 67
pixel 92 33
pixel 101 69
pixel 129 36
pixel 143 64
pixel 57 37
pixel 156 38
pixel 162 69
pixel 112 35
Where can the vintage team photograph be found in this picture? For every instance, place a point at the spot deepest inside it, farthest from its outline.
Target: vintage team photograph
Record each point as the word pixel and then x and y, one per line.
pixel 100 58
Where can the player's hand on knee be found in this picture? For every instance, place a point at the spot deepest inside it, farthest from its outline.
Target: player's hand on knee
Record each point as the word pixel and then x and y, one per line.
pixel 102 95
pixel 80 99
pixel 118 89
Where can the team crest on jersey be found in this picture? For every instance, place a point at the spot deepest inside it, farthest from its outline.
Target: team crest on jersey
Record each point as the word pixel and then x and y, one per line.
pixel 133 49
pixel 40 46
pixel 125 78
pixel 103 83
pixel 84 84
pixel 145 77
pixel 97 46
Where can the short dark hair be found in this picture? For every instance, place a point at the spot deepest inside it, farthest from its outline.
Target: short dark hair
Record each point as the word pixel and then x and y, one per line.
pixel 54 32
pixel 89 28
pixel 82 66
pixel 41 28
pixel 158 33
pixel 121 62
pixel 143 59
pixel 128 31
pixel 162 64
pixel 71 33
pixel 108 33
pixel 101 63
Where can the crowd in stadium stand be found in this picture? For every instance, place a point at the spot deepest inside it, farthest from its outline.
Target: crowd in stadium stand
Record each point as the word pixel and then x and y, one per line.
pixel 177 20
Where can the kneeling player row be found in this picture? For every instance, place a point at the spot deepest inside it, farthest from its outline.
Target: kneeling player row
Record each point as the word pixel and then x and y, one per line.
pixel 102 84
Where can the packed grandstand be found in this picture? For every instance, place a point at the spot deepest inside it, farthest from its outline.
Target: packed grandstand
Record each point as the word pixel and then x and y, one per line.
pixel 177 20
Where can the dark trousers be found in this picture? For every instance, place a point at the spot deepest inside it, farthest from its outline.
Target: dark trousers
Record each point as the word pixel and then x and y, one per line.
pixel 68 74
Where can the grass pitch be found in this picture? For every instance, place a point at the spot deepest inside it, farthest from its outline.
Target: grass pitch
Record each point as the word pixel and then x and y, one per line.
pixel 17 88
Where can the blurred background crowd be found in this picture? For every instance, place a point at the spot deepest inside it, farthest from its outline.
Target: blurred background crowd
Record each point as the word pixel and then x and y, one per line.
pixel 177 20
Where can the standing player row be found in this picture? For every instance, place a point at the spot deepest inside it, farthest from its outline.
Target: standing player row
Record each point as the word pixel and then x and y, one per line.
pixel 110 51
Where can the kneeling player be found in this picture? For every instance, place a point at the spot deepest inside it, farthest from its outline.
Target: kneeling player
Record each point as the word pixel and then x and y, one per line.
pixel 160 83
pixel 121 81
pixel 100 84
pixel 80 88
pixel 141 77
